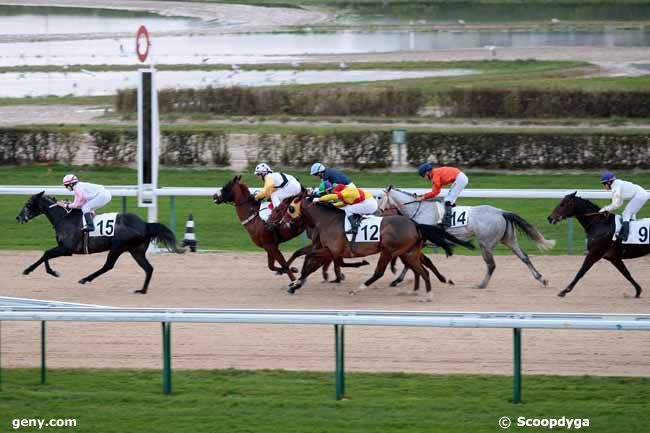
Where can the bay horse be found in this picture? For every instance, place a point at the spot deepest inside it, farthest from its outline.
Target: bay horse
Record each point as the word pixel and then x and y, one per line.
pixel 247 208
pixel 488 224
pixel 600 228
pixel 399 237
pixel 130 233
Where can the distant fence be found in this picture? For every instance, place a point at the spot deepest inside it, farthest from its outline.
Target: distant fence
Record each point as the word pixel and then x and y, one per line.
pixel 338 318
pixel 173 192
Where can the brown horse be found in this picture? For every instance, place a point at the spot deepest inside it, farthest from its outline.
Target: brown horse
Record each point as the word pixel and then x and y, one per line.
pixel 247 207
pixel 399 237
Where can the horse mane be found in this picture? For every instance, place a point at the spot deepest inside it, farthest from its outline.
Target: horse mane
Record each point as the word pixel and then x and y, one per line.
pixel 590 206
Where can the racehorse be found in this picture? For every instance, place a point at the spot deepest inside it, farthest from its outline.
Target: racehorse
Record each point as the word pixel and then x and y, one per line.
pixel 398 237
pixel 129 233
pixel 488 224
pixel 600 228
pixel 247 207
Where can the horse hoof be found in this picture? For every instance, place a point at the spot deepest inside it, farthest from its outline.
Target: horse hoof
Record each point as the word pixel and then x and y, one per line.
pixel 83 281
pixel 291 290
pixel 142 292
pixel 55 274
pixel 26 272
pixel 393 284
pixel 562 294
pixel 365 263
pixel 294 270
pixel 451 283
pixel 544 282
pixel 479 286
pixel 326 277
pixel 337 281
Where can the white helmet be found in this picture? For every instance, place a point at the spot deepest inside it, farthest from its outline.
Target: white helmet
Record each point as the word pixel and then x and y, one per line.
pixel 69 180
pixel 316 168
pixel 262 169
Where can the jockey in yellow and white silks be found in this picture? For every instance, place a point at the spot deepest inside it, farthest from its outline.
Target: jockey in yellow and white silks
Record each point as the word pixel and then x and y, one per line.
pixel 277 186
pixel 621 190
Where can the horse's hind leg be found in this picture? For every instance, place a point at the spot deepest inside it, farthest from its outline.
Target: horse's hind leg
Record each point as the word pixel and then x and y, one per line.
pixel 623 270
pixel 413 259
pixel 400 277
pixel 139 255
pixel 426 261
pixel 47 255
pixel 511 241
pixel 113 255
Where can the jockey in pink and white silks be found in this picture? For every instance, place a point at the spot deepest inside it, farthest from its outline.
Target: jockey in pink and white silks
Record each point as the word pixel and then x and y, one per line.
pixel 87 196
pixel 621 190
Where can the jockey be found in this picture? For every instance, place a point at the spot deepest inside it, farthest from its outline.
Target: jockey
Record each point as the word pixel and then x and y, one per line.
pixel 354 201
pixel 444 176
pixel 622 189
pixel 87 196
pixel 328 177
pixel 278 186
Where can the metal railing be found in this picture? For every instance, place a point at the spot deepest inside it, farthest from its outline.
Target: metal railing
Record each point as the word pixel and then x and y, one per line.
pixel 338 318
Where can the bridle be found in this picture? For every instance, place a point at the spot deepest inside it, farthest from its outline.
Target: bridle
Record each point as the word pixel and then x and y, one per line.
pixel 401 205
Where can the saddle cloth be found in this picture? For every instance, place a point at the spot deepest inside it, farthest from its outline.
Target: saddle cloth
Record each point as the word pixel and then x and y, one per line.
pixel 459 214
pixel 369 230
pixel 104 225
pixel 265 211
pixel 639 231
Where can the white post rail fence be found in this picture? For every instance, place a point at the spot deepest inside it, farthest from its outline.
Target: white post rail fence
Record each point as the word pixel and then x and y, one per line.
pixel 337 318
pixel 173 192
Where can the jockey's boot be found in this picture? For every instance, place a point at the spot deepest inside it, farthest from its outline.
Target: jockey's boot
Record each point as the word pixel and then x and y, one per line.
pixel 624 232
pixel 355 222
pixel 446 219
pixel 89 226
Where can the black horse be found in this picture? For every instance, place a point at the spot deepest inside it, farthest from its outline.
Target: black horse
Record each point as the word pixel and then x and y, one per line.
pixel 600 228
pixel 130 234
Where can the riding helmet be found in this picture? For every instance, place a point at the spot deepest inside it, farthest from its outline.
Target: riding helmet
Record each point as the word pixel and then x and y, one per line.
pixel 70 180
pixel 425 168
pixel 316 168
pixel 263 168
pixel 607 177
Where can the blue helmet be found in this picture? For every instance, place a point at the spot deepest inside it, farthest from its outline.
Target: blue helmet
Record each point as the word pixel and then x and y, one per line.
pixel 425 168
pixel 316 168
pixel 607 177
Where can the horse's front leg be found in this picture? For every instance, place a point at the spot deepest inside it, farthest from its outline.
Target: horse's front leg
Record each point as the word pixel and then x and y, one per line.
pixel 47 255
pixel 273 254
pixel 586 265
pixel 314 260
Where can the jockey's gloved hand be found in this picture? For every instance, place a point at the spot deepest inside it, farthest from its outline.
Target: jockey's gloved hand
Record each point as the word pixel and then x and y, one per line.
pixel 316 199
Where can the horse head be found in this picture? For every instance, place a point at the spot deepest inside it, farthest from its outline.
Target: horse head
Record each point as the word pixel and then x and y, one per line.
pixel 565 209
pixel 230 191
pixel 36 205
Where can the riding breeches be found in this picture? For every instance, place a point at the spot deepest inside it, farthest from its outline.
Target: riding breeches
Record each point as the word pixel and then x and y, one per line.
pixel 457 187
pixel 100 200
pixel 292 188
pixel 366 207
pixel 635 204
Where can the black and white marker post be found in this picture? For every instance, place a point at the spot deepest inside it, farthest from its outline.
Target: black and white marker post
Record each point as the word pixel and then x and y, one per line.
pixel 189 239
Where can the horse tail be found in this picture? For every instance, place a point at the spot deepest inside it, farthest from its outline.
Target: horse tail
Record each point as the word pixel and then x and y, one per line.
pixel 442 238
pixel 160 233
pixel 531 232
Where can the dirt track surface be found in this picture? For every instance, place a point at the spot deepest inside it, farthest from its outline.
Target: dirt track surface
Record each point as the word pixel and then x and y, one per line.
pixel 231 280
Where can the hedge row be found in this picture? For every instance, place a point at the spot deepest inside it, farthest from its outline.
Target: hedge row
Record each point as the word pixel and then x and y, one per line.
pixel 547 103
pixel 530 150
pixel 354 149
pixel 255 101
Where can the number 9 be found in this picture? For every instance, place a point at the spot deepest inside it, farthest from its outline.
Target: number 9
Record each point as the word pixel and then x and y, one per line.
pixel 643 234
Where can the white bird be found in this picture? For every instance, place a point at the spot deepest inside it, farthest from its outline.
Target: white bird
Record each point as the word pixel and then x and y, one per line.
pixel 555 20
pixel 235 68
pixel 87 72
pixel 461 22
pixel 295 64
pixel 343 66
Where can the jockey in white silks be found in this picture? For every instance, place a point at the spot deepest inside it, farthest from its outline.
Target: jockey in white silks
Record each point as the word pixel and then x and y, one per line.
pixel 277 186
pixel 88 197
pixel 622 189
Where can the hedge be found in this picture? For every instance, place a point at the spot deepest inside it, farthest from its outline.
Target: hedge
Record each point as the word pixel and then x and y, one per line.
pixel 546 103
pixel 530 150
pixel 249 101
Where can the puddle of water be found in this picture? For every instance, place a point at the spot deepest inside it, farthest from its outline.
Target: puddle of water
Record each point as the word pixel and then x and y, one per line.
pixel 31 20
pixel 417 13
pixel 107 83
pixel 283 47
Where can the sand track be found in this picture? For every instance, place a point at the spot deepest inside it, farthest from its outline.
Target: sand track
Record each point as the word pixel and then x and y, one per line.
pixel 242 281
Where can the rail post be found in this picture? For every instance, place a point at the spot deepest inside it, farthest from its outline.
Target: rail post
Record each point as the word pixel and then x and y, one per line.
pixel 339 347
pixel 167 358
pixel 123 204
pixel 569 236
pixel 43 347
pixel 516 384
pixel 172 214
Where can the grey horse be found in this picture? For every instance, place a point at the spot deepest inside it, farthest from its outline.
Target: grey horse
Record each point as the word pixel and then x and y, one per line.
pixel 488 224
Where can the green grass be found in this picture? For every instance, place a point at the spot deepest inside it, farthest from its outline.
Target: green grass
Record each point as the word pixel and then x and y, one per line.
pixel 271 401
pixel 218 228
